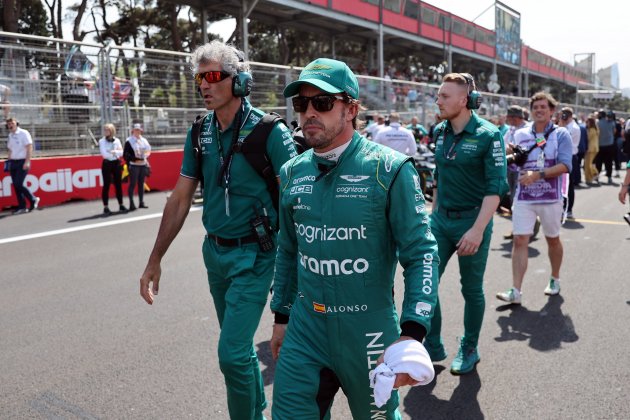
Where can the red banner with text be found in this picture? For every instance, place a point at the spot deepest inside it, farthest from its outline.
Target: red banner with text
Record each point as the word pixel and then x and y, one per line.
pixel 59 179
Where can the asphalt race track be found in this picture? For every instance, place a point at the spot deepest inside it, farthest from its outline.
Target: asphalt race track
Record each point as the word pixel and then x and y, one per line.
pixel 78 342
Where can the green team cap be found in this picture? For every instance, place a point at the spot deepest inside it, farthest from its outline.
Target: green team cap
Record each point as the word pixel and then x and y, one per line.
pixel 329 75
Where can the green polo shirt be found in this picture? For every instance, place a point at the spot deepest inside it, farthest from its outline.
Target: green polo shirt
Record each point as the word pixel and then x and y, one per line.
pixel 469 166
pixel 228 215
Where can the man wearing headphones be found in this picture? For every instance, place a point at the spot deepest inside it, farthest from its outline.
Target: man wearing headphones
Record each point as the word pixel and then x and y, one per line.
pixel 471 177
pixel 238 215
pixel 20 147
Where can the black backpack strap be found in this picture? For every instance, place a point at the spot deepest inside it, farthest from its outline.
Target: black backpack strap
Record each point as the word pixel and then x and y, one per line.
pixel 196 144
pixel 254 149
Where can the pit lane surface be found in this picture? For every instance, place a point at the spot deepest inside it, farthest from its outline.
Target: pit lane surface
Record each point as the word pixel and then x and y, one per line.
pixel 77 341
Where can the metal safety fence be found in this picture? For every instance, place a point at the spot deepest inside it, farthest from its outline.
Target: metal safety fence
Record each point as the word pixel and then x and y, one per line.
pixel 63 92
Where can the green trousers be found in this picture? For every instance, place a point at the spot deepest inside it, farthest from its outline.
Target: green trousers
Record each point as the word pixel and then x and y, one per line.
pixel 447 232
pixel 239 278
pixel 322 353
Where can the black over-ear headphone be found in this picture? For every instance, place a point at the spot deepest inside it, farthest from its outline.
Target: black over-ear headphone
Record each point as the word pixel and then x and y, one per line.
pixel 241 83
pixel 473 100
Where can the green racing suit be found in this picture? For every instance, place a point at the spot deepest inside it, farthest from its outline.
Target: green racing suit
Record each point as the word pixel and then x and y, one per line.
pixel 343 227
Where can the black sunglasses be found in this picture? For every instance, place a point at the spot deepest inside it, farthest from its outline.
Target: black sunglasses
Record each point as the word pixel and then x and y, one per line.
pixel 214 76
pixel 321 103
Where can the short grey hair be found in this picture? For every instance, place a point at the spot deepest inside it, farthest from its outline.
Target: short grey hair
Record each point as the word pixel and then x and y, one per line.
pixel 229 57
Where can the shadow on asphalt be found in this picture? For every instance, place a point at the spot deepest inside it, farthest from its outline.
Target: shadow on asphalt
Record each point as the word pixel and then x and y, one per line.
pixel 420 403
pixel 545 330
pixel 264 356
pixel 98 216
pixel 506 249
pixel 572 224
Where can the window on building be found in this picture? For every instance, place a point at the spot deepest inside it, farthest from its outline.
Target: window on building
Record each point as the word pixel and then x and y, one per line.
pixel 458 27
pixel 412 9
pixel 444 22
pixel 429 16
pixel 393 5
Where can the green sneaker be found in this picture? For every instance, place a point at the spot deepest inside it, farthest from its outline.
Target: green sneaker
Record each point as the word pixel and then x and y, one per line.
pixel 466 359
pixel 436 353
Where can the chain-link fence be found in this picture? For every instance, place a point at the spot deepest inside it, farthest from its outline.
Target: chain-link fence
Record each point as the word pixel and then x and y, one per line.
pixel 63 92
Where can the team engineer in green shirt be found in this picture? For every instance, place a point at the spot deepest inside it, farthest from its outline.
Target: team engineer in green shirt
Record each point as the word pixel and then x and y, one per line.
pixel 350 210
pixel 239 271
pixel 470 177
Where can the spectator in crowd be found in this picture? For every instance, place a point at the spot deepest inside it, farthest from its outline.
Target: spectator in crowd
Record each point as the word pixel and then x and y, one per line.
pixel 501 124
pixel 576 171
pixel 5 93
pixel 625 189
pixel 592 129
pixel 619 125
pixel 516 120
pixel 549 158
pixel 372 130
pixel 418 130
pixel 470 178
pixel 20 147
pixel 606 155
pixel 137 150
pixel 111 151
pixel 238 261
pixel 567 121
pixel 438 120
pixel 412 97
pixel 346 282
pixel 397 137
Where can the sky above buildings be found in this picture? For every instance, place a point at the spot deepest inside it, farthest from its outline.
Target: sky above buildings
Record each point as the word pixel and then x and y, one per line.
pixel 563 29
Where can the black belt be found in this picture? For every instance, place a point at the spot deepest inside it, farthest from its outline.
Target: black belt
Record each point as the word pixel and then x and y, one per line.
pixel 458 214
pixel 250 239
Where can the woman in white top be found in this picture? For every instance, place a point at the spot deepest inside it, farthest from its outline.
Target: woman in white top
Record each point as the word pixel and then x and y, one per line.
pixel 111 150
pixel 137 150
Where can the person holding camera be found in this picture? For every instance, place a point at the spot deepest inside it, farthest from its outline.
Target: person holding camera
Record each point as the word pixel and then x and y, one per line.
pixel 470 179
pixel 20 147
pixel 239 217
pixel 547 157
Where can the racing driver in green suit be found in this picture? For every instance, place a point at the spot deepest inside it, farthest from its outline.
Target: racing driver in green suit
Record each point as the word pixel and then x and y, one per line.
pixel 350 210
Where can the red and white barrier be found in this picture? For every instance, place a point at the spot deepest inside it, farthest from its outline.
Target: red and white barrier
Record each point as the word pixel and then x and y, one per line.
pixel 59 179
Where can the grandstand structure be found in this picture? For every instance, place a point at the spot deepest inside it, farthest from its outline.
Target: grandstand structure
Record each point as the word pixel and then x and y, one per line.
pixel 63 91
pixel 391 28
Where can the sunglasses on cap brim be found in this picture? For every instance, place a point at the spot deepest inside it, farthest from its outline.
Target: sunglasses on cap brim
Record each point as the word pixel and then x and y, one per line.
pixel 321 103
pixel 214 76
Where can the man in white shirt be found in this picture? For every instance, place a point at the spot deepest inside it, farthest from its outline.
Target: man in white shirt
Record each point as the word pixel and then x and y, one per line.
pixel 372 130
pixel 20 147
pixel 397 137
pixel 567 121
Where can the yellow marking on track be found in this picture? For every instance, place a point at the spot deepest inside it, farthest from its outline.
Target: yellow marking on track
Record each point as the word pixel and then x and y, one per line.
pixel 599 222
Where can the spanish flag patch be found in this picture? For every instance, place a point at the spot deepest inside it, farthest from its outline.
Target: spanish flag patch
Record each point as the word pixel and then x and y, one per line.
pixel 318 307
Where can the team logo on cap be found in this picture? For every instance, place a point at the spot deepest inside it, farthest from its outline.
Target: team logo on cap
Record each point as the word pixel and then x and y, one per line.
pixel 317 66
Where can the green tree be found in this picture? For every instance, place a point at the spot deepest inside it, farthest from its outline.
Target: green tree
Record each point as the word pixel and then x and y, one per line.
pixel 24 17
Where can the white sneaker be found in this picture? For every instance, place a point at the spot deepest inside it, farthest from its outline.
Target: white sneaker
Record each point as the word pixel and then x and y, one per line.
pixel 553 288
pixel 511 296
pixel 35 204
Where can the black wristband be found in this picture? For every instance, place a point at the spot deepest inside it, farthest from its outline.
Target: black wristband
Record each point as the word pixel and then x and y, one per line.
pixel 279 318
pixel 414 330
